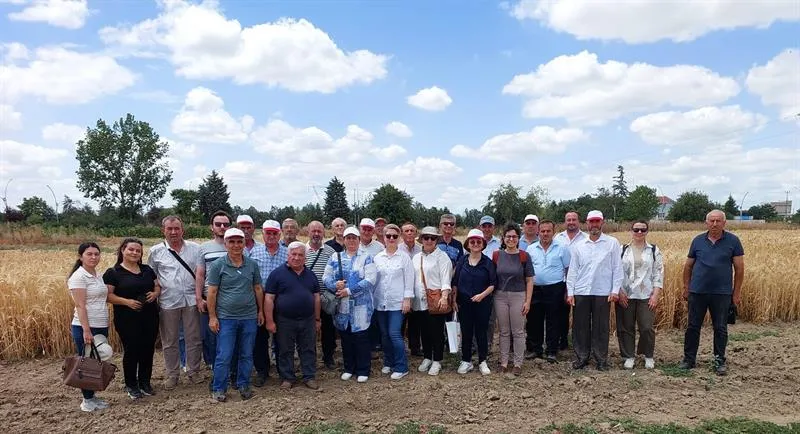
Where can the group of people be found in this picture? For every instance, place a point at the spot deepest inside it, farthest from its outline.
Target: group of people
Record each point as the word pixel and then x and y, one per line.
pixel 380 286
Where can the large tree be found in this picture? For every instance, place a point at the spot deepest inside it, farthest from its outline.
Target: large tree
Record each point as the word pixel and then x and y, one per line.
pixel 506 205
pixel 212 196
pixel 691 206
pixel 36 210
pixel 391 203
pixel 335 201
pixel 763 211
pixel 186 204
pixel 642 204
pixel 123 165
pixel 730 207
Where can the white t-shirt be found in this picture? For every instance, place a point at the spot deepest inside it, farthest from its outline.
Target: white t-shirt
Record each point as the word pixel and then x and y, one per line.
pixel 96 296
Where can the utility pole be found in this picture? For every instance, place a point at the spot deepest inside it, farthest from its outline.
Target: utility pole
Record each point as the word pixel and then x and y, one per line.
pixel 55 201
pixel 5 198
pixel 741 204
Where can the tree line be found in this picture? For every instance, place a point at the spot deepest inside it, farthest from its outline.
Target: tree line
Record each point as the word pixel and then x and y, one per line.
pixel 123 168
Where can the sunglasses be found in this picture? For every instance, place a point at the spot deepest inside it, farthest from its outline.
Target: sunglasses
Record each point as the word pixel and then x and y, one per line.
pixel 448 223
pixel 639 230
pixel 391 236
pixel 475 241
pixel 221 224
pixel 429 238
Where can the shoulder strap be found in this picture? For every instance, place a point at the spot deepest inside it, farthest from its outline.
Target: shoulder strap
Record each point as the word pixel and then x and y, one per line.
pixel 624 248
pixel 654 253
pixel 523 257
pixel 422 271
pixel 178 257
pixel 319 252
pixel 339 256
pixel 495 256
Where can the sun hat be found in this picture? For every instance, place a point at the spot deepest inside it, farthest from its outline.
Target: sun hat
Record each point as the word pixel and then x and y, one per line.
pixel 428 230
pixel 271 225
pixel 476 233
pixel 594 215
pixel 352 230
pixel 244 218
pixel 233 232
pixel 103 348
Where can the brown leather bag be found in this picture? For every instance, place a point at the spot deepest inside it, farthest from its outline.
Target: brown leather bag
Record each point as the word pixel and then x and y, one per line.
pixel 432 296
pixel 88 373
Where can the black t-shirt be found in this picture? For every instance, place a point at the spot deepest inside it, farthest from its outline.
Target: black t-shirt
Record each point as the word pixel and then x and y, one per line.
pixel 132 286
pixel 335 244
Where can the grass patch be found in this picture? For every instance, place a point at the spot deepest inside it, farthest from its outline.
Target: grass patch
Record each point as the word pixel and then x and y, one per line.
pixel 673 370
pixel 634 383
pixel 326 428
pixel 751 336
pixel 411 427
pixel 735 425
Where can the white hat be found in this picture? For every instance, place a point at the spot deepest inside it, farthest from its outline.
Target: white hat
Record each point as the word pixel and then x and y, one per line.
pixel 531 217
pixel 352 230
pixel 594 215
pixel 367 222
pixel 429 230
pixel 476 233
pixel 103 348
pixel 244 218
pixel 233 232
pixel 271 225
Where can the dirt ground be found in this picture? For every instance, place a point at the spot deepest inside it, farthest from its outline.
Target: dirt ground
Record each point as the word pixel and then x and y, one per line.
pixel 763 383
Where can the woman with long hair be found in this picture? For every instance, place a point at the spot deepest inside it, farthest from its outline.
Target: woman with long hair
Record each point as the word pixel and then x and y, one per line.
pixel 90 317
pixel 133 289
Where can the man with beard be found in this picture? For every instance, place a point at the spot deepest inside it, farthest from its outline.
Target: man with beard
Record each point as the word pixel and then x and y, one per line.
pixel 572 234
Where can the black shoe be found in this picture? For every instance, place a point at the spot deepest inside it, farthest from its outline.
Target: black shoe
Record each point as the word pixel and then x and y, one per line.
pixel 684 364
pixel 329 365
pixel 720 367
pixel 260 380
pixel 551 358
pixel 580 364
pixel 147 390
pixel 532 355
pixel 564 346
pixel 602 366
pixel 134 393
pixel 245 393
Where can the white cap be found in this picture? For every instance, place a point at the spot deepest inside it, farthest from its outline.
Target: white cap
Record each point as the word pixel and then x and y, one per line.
pixel 271 225
pixel 367 222
pixel 594 215
pixel 233 232
pixel 244 218
pixel 476 233
pixel 351 231
pixel 531 217
pixel 104 349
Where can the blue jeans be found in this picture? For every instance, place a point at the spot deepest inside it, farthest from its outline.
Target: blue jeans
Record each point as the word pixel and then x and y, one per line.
pixel 77 337
pixel 209 342
pixel 231 333
pixel 394 348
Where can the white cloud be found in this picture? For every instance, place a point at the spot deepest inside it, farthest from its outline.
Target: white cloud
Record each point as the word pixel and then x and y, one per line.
pixel 10 119
pixel 524 179
pixel 182 151
pixel 585 91
pixel 62 76
pixel 203 118
pixel 69 14
pixel 526 144
pixel 202 43
pixel 698 128
pixel 638 22
pixel 432 99
pixel 399 129
pixel 778 82
pixel 389 153
pixel 22 158
pixel 14 51
pixel 65 133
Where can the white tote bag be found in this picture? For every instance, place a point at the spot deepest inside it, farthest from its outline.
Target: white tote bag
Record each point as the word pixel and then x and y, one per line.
pixel 453 333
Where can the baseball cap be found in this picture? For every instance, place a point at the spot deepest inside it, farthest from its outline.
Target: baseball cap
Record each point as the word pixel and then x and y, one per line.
pixel 271 225
pixel 367 222
pixel 244 218
pixel 531 217
pixel 351 231
pixel 487 219
pixel 380 219
pixel 594 215
pixel 233 232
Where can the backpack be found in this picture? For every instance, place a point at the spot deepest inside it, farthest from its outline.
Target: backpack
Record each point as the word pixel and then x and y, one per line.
pixel 523 257
pixel 625 247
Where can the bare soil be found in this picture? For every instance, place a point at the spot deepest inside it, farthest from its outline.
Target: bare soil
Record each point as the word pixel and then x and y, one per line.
pixel 763 384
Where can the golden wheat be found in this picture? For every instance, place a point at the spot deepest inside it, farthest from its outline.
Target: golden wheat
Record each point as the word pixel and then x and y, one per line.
pixel 36 308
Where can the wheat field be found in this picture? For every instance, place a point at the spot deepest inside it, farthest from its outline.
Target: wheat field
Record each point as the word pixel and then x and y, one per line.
pixel 36 309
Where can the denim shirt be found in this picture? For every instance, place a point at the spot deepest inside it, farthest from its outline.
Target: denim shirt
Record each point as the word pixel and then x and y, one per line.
pixel 360 275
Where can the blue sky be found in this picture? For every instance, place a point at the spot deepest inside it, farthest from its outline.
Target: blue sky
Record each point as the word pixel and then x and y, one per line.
pixel 444 99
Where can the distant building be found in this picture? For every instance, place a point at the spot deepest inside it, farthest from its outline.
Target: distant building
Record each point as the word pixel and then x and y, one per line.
pixel 783 208
pixel 664 205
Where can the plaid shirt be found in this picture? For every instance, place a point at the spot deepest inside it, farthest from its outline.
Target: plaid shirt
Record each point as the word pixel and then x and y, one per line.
pixel 267 262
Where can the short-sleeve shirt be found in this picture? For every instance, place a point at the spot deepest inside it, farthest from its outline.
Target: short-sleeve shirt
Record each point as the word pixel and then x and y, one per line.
pixel 454 249
pixel 211 251
pixel 235 296
pixel 177 283
pixel 96 296
pixel 550 265
pixel 712 272
pixel 472 280
pixel 267 262
pixel 512 272
pixel 133 286
pixel 316 260
pixel 337 246
pixel 294 293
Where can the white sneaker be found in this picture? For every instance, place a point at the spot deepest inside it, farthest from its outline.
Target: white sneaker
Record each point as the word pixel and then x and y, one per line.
pixel 398 375
pixel 464 367
pixel 99 403
pixel 88 405
pixel 426 364
pixel 346 376
pixel 386 370
pixel 362 378
pixel 629 363
pixel 484 368
pixel 435 368
pixel 649 363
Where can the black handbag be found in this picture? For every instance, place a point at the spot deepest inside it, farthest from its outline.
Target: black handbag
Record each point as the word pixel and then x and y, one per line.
pixel 733 311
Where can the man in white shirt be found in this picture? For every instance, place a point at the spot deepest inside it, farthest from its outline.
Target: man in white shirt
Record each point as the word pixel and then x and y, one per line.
pixel 594 279
pixel 492 242
pixel 567 237
pixel 409 244
pixel 368 245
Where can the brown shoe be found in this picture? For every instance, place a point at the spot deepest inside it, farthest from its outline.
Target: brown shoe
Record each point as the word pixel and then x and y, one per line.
pixel 311 384
pixel 517 371
pixel 197 378
pixel 286 384
pixel 171 383
pixel 503 369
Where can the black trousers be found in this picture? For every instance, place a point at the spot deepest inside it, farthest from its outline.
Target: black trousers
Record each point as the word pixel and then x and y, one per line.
pixel 138 332
pixel 474 320
pixel 261 352
pixel 415 320
pixel 563 339
pixel 328 337
pixel 545 316
pixel 356 352
pixel 699 304
pixel 590 327
pixel 433 336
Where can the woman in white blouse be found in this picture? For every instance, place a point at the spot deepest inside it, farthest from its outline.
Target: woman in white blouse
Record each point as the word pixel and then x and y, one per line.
pixel 392 297
pixel 90 317
pixel 643 267
pixel 433 271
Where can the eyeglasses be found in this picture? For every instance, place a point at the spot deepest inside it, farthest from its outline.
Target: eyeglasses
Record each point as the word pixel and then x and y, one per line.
pixel 429 238
pixel 639 230
pixel 391 236
pixel 511 237
pixel 221 224
pixel 448 223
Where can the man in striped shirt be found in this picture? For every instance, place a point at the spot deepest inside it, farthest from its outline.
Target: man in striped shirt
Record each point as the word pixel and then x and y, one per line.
pixel 317 255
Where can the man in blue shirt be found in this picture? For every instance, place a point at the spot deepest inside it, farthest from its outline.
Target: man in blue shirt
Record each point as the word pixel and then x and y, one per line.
pixel 709 286
pixel 550 260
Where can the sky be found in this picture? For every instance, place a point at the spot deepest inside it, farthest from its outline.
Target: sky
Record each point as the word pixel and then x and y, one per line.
pixel 444 99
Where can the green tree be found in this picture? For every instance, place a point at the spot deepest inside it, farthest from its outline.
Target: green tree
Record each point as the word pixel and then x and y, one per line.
pixel 470 218
pixel 620 187
pixel 391 203
pixel 309 213
pixel 763 211
pixel 212 196
pixel 424 216
pixel 691 206
pixel 335 201
pixel 36 210
pixel 605 201
pixel 123 165
pixel 796 218
pixel 642 204
pixel 186 204
pixel 730 208
pixel 505 204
